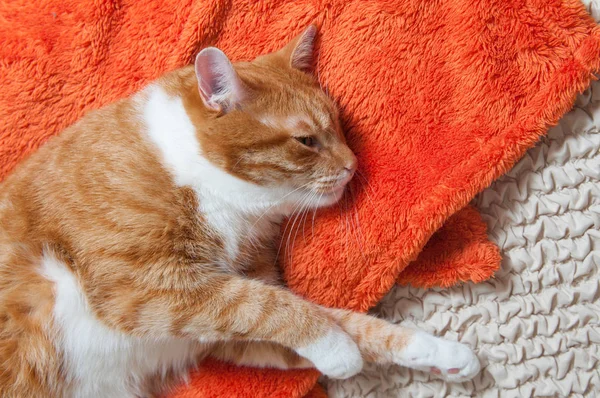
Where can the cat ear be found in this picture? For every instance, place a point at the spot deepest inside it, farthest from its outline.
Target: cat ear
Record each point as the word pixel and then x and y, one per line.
pixel 299 52
pixel 220 87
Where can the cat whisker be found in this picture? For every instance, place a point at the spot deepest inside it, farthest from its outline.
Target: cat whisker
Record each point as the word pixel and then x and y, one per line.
pixel 298 205
pixel 362 180
pixel 359 228
pixel 307 211
pixel 356 226
pixel 315 214
pixel 302 222
pixel 304 212
pixel 289 237
pixel 348 226
pixel 298 217
pixel 275 204
pixel 297 213
pixel 237 163
pixel 348 229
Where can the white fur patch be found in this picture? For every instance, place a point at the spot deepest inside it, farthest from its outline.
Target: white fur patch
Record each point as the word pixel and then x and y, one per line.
pixel 425 351
pixel 292 122
pixel 232 206
pixel 171 130
pixel 336 355
pixel 271 121
pixel 101 362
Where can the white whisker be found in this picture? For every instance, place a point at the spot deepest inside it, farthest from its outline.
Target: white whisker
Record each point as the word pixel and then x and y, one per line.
pixel 356 227
pixel 315 213
pixel 283 234
pixel 302 220
pixel 306 212
pixel 305 201
pixel 275 204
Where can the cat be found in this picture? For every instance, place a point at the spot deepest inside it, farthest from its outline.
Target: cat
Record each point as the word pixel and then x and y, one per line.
pixel 144 238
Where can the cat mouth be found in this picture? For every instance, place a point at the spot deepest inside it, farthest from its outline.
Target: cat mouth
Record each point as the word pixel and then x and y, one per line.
pixel 334 187
pixel 331 189
pixel 331 194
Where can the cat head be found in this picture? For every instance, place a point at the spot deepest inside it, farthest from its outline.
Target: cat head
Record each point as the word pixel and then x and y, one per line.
pixel 271 125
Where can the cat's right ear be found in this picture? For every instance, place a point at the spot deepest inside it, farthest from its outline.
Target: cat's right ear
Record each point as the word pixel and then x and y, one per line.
pixel 298 53
pixel 220 87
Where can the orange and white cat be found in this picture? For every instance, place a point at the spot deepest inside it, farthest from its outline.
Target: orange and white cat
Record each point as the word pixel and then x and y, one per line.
pixel 144 238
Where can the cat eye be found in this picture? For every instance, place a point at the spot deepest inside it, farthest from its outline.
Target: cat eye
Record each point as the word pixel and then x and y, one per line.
pixel 307 141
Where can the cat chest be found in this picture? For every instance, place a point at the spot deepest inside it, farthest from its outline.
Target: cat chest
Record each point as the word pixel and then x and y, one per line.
pixel 242 239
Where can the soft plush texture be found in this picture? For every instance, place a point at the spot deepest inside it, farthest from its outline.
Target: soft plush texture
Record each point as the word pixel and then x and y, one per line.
pixel 459 251
pixel 438 98
pixel 536 325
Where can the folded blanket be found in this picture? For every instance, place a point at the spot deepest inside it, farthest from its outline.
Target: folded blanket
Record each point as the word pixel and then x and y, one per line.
pixel 438 98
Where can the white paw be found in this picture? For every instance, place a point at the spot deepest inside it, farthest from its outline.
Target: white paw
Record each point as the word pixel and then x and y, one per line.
pixel 335 355
pixel 454 362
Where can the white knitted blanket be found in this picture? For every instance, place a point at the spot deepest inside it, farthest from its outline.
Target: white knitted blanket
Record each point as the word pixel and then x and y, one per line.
pixel 536 325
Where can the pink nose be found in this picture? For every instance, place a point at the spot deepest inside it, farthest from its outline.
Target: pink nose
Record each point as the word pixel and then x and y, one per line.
pixel 351 165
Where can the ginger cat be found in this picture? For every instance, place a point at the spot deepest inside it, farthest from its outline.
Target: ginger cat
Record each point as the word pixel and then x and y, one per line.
pixel 144 238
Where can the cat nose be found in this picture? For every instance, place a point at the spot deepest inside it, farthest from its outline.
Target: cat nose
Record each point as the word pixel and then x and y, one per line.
pixel 351 165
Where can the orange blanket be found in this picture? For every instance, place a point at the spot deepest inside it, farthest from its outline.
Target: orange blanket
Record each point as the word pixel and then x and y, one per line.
pixel 438 98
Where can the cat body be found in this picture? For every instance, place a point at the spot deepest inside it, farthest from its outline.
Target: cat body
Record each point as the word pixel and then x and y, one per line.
pixel 145 237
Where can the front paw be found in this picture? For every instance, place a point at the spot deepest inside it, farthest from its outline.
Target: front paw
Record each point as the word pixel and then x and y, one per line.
pixel 454 362
pixel 335 355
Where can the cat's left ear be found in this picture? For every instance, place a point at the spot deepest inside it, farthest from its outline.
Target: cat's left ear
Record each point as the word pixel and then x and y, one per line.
pixel 219 84
pixel 299 51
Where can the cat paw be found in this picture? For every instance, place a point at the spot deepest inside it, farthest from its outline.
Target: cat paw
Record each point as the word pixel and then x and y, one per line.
pixel 335 355
pixel 453 362
pixel 457 363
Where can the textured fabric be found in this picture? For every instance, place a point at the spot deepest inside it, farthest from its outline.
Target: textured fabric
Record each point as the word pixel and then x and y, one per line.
pixel 495 74
pixel 536 325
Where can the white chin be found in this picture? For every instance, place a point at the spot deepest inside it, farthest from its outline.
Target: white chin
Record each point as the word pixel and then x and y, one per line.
pixel 330 198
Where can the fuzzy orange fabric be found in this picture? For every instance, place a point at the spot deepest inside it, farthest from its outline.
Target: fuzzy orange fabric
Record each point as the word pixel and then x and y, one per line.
pixel 219 380
pixel 459 251
pixel 438 98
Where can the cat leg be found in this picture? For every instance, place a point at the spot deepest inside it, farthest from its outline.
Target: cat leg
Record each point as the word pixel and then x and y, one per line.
pixel 221 307
pixel 379 342
pixel 260 354
pixel 383 342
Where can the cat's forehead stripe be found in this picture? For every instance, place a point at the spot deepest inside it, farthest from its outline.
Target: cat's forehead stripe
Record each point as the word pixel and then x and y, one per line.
pixel 323 119
pixel 269 121
pixel 289 123
pixel 299 122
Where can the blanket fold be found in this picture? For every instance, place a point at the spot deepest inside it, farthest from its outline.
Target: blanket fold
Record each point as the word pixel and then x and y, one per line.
pixel 438 98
